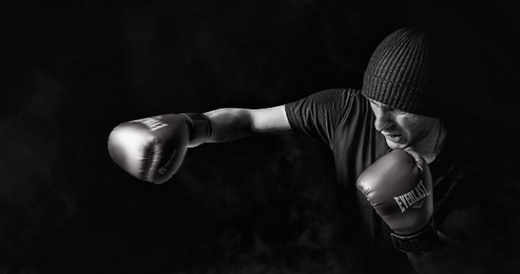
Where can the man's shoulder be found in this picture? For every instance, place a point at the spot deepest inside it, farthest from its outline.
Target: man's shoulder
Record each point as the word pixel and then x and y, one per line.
pixel 493 137
pixel 344 91
pixel 342 96
pixel 332 99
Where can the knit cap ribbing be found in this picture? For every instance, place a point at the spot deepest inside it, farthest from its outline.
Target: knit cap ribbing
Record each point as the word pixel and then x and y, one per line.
pixel 400 73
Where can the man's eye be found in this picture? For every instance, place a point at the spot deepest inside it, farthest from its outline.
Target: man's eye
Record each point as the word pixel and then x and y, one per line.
pixel 397 111
pixel 386 108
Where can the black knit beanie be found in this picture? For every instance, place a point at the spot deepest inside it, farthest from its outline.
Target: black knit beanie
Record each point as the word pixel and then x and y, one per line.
pixel 400 73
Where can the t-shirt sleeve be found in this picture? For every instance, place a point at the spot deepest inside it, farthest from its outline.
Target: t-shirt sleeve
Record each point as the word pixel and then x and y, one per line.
pixel 319 115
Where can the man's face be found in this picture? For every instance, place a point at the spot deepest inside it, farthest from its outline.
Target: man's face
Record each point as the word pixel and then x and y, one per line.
pixel 402 129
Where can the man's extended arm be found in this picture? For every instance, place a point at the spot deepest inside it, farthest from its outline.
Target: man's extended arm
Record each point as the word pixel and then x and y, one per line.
pixel 229 124
pixel 152 149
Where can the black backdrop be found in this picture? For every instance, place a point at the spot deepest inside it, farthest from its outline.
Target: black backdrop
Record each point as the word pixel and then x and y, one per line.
pixel 75 69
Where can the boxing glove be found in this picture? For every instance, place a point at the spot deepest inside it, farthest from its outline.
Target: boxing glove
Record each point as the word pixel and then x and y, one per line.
pixel 399 187
pixel 152 149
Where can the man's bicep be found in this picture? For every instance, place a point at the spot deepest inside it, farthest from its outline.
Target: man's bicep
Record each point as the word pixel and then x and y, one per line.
pixel 271 120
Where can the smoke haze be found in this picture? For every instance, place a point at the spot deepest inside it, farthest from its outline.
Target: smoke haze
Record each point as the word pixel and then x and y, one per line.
pixel 75 69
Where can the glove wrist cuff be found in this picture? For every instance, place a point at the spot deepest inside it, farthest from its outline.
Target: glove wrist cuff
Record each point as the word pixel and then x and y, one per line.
pixel 199 128
pixel 420 242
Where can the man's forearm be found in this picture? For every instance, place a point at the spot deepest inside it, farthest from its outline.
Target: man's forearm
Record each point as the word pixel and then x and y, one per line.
pixel 229 124
pixel 450 256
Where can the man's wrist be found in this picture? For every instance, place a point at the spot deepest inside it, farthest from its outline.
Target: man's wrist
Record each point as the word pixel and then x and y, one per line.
pixel 419 242
pixel 199 128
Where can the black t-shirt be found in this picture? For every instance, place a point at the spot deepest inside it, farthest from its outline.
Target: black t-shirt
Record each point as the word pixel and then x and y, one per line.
pixel 476 189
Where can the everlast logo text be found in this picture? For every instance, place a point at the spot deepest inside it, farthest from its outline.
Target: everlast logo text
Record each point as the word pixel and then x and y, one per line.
pixel 412 198
pixel 151 123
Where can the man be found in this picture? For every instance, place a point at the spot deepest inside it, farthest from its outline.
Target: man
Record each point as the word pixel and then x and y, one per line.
pixel 456 207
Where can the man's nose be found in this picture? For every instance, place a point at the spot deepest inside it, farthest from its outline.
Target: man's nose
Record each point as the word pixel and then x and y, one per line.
pixel 383 120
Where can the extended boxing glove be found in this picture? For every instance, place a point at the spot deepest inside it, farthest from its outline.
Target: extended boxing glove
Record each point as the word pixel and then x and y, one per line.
pixel 399 187
pixel 152 149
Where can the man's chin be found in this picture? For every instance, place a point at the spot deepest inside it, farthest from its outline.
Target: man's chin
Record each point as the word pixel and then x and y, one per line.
pixel 393 145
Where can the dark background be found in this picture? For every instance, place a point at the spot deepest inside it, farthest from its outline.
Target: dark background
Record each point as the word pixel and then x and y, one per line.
pixel 75 69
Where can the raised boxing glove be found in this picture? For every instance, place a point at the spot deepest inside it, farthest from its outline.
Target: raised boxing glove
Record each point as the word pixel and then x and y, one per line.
pixel 399 187
pixel 152 149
